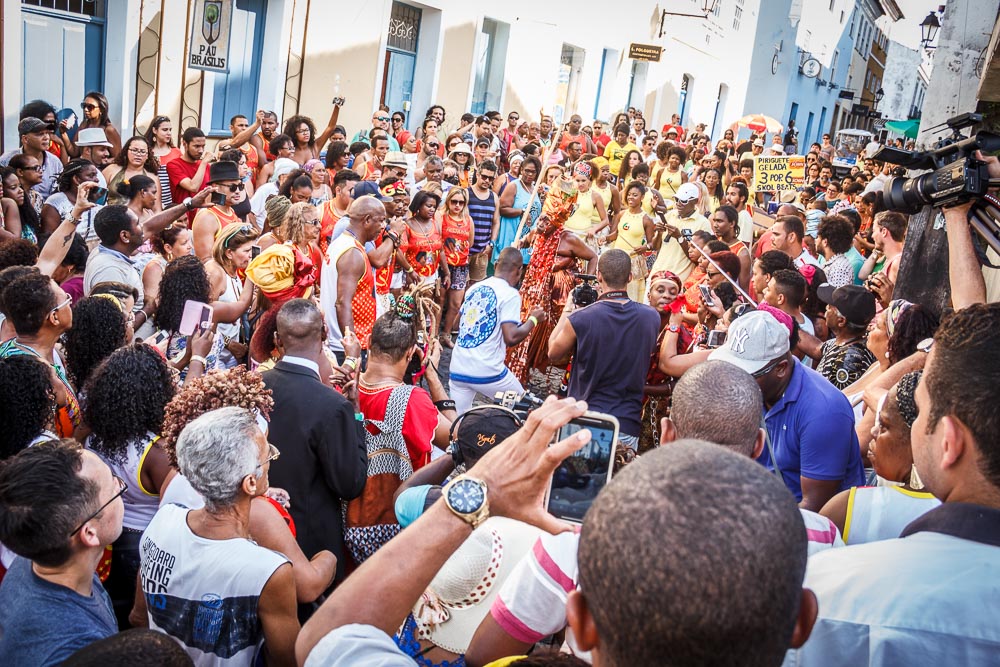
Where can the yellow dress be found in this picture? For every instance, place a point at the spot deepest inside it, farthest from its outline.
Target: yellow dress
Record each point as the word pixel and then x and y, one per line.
pixel 670 183
pixel 585 216
pixel 631 235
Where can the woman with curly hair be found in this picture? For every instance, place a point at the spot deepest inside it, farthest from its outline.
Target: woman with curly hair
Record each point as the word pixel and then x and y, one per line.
pixel 302 225
pixel 134 160
pixel 126 398
pixel 27 404
pixel 184 279
pixel 269 521
pixel 302 130
pixel 100 327
pixel 167 245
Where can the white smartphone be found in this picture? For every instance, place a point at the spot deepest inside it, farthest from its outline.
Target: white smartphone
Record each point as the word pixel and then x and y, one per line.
pixel 197 315
pixel 582 475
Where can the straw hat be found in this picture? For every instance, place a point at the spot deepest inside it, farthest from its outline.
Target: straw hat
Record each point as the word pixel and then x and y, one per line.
pixel 461 593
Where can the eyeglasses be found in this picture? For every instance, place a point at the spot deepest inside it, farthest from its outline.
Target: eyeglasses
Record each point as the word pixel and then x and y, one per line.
pixel 87 107
pixel 65 303
pixel 712 274
pixel 272 455
pixel 235 187
pixel 38 169
pixel 767 369
pixel 122 488
pixel 138 151
pixel 314 223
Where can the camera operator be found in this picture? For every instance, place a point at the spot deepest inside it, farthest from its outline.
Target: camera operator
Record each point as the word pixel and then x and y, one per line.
pixel 611 342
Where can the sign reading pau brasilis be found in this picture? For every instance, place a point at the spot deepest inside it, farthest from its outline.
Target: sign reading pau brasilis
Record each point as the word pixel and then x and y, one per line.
pixel 210 29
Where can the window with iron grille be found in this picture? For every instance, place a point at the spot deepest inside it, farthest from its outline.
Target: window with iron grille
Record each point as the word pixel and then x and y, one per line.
pixel 404 26
pixel 737 14
pixel 94 8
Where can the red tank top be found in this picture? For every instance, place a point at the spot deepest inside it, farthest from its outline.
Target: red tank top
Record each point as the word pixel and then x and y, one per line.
pixel 456 240
pixel 383 276
pixel 423 250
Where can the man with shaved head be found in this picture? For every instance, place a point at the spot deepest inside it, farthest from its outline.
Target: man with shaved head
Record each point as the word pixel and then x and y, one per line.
pixel 347 282
pixel 323 457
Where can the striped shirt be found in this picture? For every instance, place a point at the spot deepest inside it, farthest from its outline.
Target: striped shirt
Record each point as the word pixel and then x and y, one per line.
pixel 482 211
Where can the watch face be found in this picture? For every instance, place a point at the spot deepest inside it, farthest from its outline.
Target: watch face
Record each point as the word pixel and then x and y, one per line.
pixel 466 496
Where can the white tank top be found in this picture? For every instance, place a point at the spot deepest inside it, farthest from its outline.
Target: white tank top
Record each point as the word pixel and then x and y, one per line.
pixel 205 593
pixel 140 504
pixel 231 295
pixel 882 512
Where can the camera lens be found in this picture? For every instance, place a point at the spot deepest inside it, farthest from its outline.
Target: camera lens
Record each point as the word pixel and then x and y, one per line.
pixel 909 195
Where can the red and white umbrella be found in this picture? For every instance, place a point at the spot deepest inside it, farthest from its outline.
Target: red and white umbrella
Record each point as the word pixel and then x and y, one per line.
pixel 759 123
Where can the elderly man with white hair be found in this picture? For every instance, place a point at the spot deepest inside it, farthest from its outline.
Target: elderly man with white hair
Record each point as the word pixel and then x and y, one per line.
pixel 206 583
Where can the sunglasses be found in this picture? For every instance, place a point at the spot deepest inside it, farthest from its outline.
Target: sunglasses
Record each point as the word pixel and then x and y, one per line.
pixel 397 120
pixel 767 369
pixel 458 201
pixel 382 118
pixel 513 118
pixel 430 145
pixel 122 488
pixel 235 187
pixel 242 229
pixel 88 107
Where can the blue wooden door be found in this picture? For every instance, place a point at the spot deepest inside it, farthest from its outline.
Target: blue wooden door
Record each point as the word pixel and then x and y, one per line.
pixel 399 78
pixel 53 42
pixel 236 92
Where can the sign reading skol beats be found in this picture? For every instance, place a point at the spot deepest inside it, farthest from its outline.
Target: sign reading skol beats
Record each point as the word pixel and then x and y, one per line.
pixel 779 172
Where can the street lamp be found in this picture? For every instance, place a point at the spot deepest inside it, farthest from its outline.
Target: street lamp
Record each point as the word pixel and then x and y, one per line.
pixel 707 7
pixel 929 30
pixel 879 94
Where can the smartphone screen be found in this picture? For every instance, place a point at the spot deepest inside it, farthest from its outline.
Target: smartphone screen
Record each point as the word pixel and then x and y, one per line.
pixel 218 198
pixel 687 234
pixel 706 295
pixel 254 251
pixel 581 476
pixel 98 195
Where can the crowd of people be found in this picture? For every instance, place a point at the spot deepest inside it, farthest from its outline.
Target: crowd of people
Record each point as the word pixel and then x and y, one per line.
pixel 268 400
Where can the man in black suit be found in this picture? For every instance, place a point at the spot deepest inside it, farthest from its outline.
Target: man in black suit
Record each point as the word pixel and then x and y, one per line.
pixel 323 456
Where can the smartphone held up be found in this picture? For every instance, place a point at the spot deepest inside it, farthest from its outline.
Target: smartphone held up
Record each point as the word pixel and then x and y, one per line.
pixel 582 475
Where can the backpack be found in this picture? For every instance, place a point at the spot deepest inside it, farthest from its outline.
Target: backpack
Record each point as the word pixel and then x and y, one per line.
pixel 370 519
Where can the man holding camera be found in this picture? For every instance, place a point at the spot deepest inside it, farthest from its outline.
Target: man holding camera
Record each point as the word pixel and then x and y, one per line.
pixel 610 342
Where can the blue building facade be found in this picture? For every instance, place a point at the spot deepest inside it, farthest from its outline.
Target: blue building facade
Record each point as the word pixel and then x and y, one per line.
pixel 790 33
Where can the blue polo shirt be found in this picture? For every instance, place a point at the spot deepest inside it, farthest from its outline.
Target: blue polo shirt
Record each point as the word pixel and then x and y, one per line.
pixel 812 432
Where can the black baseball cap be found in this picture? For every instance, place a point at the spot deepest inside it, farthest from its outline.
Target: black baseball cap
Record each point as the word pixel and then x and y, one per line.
pixel 854 302
pixel 482 429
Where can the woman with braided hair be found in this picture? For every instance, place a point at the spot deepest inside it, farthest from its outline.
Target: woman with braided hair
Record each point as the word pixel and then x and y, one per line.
pixel 871 513
pixel 61 202
pixel 398 337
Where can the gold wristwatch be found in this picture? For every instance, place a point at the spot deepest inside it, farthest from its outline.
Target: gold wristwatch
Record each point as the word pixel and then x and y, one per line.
pixel 465 496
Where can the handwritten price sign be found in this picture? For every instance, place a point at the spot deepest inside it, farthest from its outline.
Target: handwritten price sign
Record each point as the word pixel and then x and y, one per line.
pixel 784 172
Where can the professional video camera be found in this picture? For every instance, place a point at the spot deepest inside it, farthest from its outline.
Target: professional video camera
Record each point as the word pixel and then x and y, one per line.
pixel 585 293
pixel 957 177
pixel 521 404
